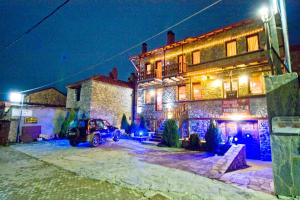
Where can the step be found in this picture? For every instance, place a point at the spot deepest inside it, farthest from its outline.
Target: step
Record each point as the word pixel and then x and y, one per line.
pixel 149 142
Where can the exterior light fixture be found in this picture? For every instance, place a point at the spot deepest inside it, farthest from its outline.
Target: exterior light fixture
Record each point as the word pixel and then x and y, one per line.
pixel 243 79
pixel 264 13
pixel 169 106
pixel 15 97
pixel 152 92
pixel 217 83
pixel 139 110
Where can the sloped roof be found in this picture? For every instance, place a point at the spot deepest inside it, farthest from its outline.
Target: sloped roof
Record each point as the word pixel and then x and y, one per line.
pixel 104 79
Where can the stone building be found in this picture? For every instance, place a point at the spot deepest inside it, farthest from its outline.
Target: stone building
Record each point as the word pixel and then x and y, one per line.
pixel 218 75
pixel 48 96
pixel 43 113
pixel 295 58
pixel 101 97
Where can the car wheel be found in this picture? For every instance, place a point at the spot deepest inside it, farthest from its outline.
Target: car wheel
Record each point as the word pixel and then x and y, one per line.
pixel 73 143
pixel 117 135
pixel 95 141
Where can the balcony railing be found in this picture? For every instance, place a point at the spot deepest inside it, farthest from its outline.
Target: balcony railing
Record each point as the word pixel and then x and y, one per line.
pixel 168 71
pixel 174 69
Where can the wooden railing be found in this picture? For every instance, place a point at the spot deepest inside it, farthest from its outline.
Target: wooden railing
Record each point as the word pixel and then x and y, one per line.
pixel 168 70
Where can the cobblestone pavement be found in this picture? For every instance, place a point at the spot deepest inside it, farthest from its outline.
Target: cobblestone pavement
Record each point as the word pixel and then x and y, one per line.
pixel 23 177
pixel 128 164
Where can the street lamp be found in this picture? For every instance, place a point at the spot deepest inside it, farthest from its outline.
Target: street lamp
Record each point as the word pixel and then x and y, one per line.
pixel 264 14
pixel 17 97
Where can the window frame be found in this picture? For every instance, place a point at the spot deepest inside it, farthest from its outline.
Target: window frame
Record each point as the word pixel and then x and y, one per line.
pixel 193 57
pixel 258 42
pixel 182 85
pixel 146 70
pixel 156 107
pixel 193 93
pixel 226 52
pixel 147 91
pixel 77 93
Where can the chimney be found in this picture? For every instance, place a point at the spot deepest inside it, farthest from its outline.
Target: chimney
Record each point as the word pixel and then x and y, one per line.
pixel 144 47
pixel 114 74
pixel 170 37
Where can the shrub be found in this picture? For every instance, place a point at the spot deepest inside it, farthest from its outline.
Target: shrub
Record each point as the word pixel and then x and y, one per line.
pixel 170 133
pixel 194 142
pixel 142 123
pixel 132 127
pixel 124 123
pixel 212 137
pixel 70 116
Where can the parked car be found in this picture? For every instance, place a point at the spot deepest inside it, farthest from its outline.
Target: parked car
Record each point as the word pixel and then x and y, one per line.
pixel 92 131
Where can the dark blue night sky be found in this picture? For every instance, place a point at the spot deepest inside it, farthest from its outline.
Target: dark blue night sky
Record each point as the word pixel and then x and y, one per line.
pixel 85 32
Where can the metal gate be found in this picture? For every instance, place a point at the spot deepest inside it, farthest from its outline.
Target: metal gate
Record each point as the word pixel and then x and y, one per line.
pixel 30 133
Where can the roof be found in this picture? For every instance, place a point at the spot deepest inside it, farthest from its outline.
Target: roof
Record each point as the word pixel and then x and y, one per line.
pixel 43 89
pixel 102 78
pixel 195 38
pixel 295 47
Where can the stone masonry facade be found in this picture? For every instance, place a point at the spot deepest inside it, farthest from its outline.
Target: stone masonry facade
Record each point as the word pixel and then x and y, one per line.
pixel 101 100
pixel 49 96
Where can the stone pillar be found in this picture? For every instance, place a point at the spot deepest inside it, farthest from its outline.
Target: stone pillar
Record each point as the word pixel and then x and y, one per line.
pixel 282 100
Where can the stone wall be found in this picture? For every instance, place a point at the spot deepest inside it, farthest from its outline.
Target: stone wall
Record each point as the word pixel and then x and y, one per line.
pixel 110 102
pixel 49 96
pixel 84 104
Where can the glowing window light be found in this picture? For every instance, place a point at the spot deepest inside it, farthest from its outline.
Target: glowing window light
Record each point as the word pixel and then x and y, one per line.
pixel 236 117
pixel 170 115
pixel 217 83
pixel 243 79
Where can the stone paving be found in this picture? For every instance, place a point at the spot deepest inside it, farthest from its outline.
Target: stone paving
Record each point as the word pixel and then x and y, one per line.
pixel 24 177
pixel 131 165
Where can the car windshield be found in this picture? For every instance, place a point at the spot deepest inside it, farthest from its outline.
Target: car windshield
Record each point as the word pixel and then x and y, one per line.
pixel 75 124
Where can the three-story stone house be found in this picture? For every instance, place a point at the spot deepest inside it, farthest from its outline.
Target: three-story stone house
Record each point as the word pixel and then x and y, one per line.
pixel 218 75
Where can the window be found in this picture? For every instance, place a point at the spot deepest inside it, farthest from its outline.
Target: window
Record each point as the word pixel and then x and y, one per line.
pixel 77 93
pixel 182 63
pixel 148 68
pixel 182 93
pixel 149 96
pixel 230 87
pixel 196 57
pixel 158 70
pixel 159 93
pixel 256 85
pixel 252 43
pixel 100 124
pixel 196 91
pixel 231 48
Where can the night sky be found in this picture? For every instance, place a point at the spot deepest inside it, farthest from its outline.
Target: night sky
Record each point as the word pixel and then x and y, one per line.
pixel 85 32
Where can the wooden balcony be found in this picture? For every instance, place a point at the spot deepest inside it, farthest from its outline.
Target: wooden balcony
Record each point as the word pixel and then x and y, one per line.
pixel 150 78
pixel 174 72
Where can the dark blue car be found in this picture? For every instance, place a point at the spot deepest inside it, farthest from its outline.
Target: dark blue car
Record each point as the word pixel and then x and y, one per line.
pixel 92 131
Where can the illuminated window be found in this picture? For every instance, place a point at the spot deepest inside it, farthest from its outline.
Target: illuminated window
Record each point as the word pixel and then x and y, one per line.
pixel 252 43
pixel 148 68
pixel 149 96
pixel 196 91
pixel 159 93
pixel 256 85
pixel 182 93
pixel 158 69
pixel 196 57
pixel 231 48
pixel 182 63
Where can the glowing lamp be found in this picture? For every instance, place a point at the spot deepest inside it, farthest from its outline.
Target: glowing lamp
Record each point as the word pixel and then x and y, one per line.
pixel 139 110
pixel 140 133
pixel 243 79
pixel 152 92
pixel 264 13
pixel 235 139
pixel 15 97
pixel 248 135
pixel 217 83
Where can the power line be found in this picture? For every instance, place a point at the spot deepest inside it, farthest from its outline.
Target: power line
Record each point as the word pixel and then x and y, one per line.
pixel 36 25
pixel 124 51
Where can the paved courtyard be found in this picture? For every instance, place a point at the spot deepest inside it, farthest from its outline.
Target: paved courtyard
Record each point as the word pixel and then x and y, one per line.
pixel 146 171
